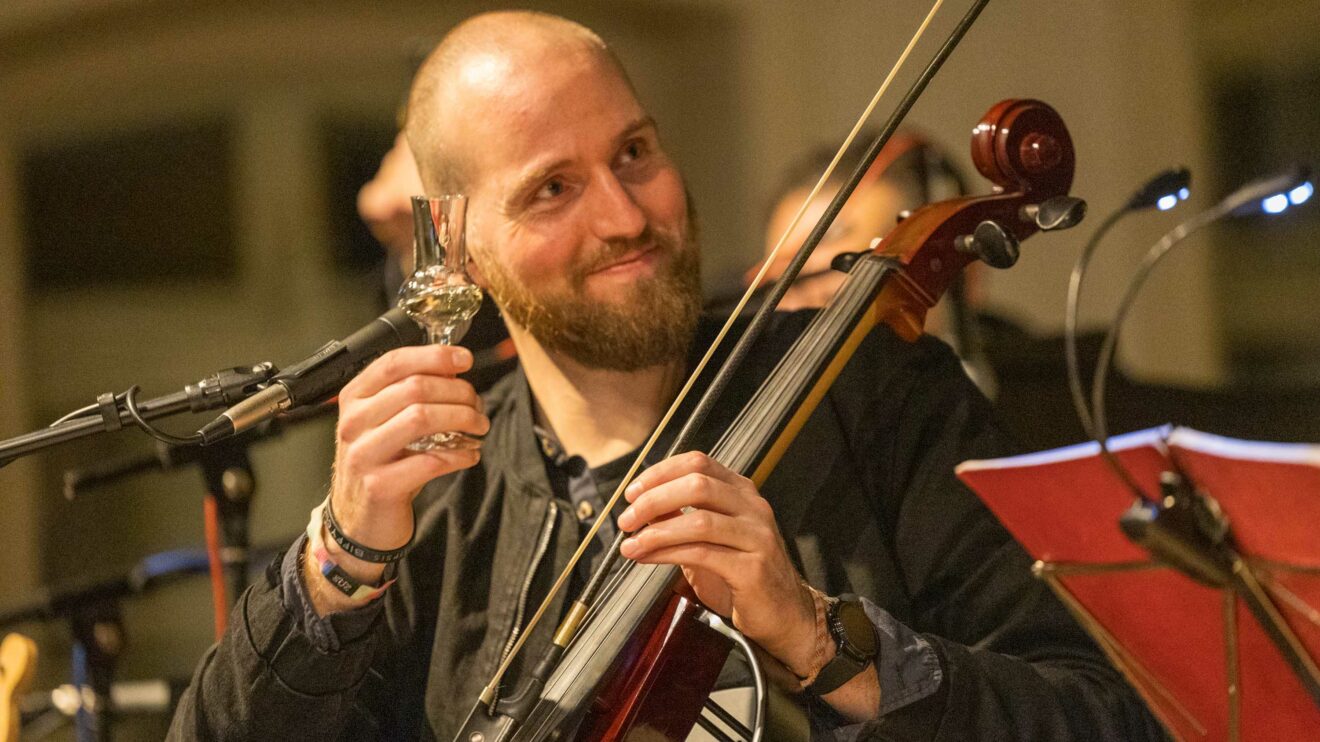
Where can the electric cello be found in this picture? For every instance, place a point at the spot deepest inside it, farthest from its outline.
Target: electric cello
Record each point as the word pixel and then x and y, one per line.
pixel 637 656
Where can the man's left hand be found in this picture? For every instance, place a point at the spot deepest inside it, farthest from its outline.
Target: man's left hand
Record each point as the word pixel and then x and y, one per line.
pixel 712 522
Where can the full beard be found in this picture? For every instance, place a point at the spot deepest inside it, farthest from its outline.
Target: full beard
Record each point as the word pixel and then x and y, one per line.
pixel 651 324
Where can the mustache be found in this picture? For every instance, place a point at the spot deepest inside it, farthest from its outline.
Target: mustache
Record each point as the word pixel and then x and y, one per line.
pixel 610 251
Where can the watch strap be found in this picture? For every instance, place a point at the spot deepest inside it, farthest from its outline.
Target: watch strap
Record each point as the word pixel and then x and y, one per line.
pixel 854 641
pixel 835 673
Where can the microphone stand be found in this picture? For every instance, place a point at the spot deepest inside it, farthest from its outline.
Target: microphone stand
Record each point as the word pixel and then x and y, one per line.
pixel 108 414
pixel 98 640
pixel 230 485
pixel 226 470
pixel 96 624
pixel 97 627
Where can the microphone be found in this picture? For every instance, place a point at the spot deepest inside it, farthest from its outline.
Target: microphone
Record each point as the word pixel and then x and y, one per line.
pixel 318 376
pixel 1269 195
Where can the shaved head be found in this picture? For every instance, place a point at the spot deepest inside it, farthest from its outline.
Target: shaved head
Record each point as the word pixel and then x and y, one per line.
pixel 481 59
pixel 577 221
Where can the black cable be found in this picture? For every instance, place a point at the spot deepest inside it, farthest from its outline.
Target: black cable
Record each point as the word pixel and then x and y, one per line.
pixel 1148 263
pixel 1247 199
pixel 1170 184
pixel 130 404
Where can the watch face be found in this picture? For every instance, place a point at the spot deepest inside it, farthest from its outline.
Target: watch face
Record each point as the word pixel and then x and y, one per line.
pixel 857 628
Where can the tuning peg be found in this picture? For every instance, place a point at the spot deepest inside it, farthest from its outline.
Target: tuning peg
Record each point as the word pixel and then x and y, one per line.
pixel 1060 212
pixel 900 216
pixel 992 244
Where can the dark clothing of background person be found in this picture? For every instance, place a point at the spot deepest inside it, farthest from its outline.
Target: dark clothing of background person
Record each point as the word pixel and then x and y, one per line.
pixel 868 503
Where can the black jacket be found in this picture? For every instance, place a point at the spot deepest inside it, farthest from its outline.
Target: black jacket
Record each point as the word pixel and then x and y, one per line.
pixel 866 498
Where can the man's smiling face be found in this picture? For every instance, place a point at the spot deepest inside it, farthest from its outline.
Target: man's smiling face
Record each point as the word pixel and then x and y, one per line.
pixel 578 222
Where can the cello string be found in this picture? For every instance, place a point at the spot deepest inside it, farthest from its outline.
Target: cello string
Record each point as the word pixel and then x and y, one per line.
pixel 828 328
pixel 562 579
pixel 772 402
pixel 764 312
pixel 736 450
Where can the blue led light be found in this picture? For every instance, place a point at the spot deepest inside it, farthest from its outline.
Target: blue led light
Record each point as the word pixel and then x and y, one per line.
pixel 1166 202
pixel 1301 193
pixel 1274 204
pixel 1184 194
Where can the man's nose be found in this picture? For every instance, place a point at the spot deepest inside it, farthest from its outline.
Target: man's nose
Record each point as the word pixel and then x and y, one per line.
pixel 616 213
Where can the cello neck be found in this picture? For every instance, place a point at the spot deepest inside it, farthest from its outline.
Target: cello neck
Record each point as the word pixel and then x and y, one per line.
pixel 771 419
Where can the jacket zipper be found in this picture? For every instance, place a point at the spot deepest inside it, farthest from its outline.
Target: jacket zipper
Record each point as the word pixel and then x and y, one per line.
pixel 547 531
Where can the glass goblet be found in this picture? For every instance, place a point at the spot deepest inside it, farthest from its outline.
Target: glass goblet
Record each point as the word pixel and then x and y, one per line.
pixel 439 295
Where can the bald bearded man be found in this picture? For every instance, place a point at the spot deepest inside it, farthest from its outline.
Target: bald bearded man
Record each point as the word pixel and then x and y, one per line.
pixel 580 229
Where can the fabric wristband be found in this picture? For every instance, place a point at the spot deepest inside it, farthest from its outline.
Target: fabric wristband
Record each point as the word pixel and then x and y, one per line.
pixel 819 602
pixel 333 573
pixel 365 553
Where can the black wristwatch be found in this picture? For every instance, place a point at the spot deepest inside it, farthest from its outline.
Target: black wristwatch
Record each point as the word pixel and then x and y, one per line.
pixel 854 641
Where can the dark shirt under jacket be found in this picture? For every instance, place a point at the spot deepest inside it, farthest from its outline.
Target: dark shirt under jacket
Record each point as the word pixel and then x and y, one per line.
pixel 866 498
pixel 585 491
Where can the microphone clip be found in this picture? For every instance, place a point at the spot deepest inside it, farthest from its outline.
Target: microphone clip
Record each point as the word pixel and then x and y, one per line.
pixel 228 386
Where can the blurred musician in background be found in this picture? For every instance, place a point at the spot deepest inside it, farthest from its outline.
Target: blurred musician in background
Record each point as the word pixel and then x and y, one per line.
pixel 384 204
pixel 909 172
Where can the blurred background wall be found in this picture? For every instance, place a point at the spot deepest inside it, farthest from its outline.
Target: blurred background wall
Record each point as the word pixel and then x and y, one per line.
pixel 177 184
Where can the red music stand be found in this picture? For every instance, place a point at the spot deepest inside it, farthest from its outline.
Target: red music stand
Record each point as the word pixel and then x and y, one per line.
pixel 1224 659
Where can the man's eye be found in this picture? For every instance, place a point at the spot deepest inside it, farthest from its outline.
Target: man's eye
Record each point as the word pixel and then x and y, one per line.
pixel 551 189
pixel 633 151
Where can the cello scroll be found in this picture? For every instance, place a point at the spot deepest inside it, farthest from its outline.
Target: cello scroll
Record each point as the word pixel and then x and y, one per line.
pixel 1023 147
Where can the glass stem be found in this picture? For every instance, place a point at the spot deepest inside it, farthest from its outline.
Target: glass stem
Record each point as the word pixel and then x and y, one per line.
pixel 439 335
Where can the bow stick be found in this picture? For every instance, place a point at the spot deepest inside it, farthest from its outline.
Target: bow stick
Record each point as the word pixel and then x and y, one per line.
pixel 580 607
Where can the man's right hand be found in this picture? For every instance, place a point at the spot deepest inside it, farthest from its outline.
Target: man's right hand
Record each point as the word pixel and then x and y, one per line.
pixel 405 394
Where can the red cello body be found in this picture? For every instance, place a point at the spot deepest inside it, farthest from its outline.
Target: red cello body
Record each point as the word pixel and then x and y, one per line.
pixel 662 680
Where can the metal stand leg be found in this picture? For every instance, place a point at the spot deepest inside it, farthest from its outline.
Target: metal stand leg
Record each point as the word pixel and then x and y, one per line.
pixel 729 720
